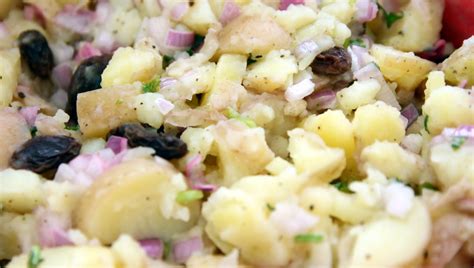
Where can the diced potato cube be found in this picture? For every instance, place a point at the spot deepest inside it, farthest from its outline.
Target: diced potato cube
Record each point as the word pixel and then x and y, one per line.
pixel 272 72
pixel 13 132
pixel 460 65
pixel 20 190
pixel 358 94
pixel 17 233
pixel 10 68
pixel 448 107
pixel 435 81
pixel 200 17
pixel 122 23
pixel 147 109
pixel 101 110
pixel 295 17
pixel 129 65
pixel 404 68
pixel 199 140
pixel 131 254
pixel 451 165
pixel 342 10
pixel 325 24
pixel 378 121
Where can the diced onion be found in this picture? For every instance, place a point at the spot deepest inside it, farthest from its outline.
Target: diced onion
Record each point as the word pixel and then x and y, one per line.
pixel 300 90
pixel 184 249
pixel 87 50
pixel 366 10
pixel 290 219
pixel 179 10
pixel 75 19
pixel 62 75
pixel 398 199
pixel 322 100
pixel 179 39
pixel 230 11
pixel 3 30
pixel 153 247
pixel 30 113
pixel 117 144
pixel 284 4
pixel 410 113
pixel 164 106
pixel 52 228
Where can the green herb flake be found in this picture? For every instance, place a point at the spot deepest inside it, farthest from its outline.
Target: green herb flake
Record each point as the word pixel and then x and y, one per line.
pixel 457 142
pixel 166 249
pixel 354 42
pixel 425 123
pixel 167 60
pixel 308 238
pixel 72 127
pixel 186 197
pixel 342 186
pixel 390 17
pixel 270 207
pixel 429 186
pixel 233 114
pixel 151 86
pixel 118 102
pixel 33 131
pixel 34 258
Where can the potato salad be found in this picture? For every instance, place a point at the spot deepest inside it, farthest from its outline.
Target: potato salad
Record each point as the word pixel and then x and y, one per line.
pixel 236 133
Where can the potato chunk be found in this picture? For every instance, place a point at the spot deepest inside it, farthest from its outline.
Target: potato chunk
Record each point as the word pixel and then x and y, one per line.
pixel 200 17
pixel 101 110
pixel 253 34
pixel 13 133
pixel 137 197
pixel 460 65
pixel 10 67
pixel 20 190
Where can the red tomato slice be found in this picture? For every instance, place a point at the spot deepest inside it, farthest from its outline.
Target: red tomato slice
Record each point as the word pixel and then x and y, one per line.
pixel 458 21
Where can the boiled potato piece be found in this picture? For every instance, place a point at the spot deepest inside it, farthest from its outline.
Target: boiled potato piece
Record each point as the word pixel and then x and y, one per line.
pixel 101 110
pixel 122 22
pixel 10 68
pixel 252 34
pixel 6 6
pixel 377 121
pixel 325 25
pixel 393 242
pixel 241 151
pixel 416 31
pixel 404 68
pixel 71 257
pixel 451 165
pixel 136 197
pixel 448 107
pixel 274 71
pixel 130 253
pixel 295 17
pixel 14 132
pixel 200 17
pixel 435 80
pixel 9 244
pixel 16 24
pixel 20 190
pixel 129 65
pixel 358 94
pixel 342 10
pixel 460 65
pixel 306 148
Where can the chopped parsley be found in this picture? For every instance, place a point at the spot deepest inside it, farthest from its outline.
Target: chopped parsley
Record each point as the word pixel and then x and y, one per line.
pixel 425 123
pixel 457 142
pixel 354 42
pixel 167 60
pixel 189 196
pixel 429 186
pixel 342 186
pixel 151 85
pixel 33 131
pixel 233 114
pixel 270 207
pixel 308 238
pixel 390 17
pixel 166 249
pixel 118 102
pixel 34 258
pixel 198 41
pixel 72 127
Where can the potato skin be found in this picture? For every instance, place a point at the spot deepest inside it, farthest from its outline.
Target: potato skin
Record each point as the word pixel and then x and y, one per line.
pixel 251 34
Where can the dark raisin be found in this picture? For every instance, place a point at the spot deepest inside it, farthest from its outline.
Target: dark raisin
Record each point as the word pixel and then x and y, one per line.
pixel 334 61
pixel 165 145
pixel 45 153
pixel 36 52
pixel 87 77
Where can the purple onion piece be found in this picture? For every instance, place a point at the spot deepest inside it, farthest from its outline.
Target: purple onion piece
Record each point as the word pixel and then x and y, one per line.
pixel 184 249
pixel 410 113
pixel 153 247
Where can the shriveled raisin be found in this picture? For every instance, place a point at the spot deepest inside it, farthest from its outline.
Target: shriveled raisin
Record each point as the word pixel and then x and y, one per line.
pixel 87 77
pixel 165 145
pixel 45 153
pixel 334 61
pixel 36 52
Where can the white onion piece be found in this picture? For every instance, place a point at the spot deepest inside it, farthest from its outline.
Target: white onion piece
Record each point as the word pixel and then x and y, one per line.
pixel 290 219
pixel 75 19
pixel 322 100
pixel 103 11
pixel 184 249
pixel 300 90
pixel 117 144
pixel 398 199
pixel 164 106
pixel 105 42
pixel 62 75
pixel 463 83
pixel 195 174
pixel 410 113
pixel 305 48
pixel 366 10
pixel 230 11
pixel 284 4
pixel 179 10
pixel 52 228
pixel 167 83
pixel 360 57
pixel 179 39
pixel 30 114
pixel 61 52
pixel 153 247
pixel 3 30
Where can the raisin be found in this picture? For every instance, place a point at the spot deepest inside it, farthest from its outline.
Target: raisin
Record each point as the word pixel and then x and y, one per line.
pixel 165 145
pixel 334 61
pixel 45 153
pixel 87 77
pixel 36 52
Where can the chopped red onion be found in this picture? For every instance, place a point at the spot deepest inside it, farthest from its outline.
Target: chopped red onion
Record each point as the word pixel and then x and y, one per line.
pixel 179 10
pixel 52 228
pixel 103 11
pixel 360 57
pixel 322 100
pixel 61 52
pixel 184 249
pixel 435 54
pixel 30 113
pixel 153 247
pixel 366 10
pixel 167 83
pixel 230 11
pixel 3 30
pixel 195 174
pixel 117 144
pixel 86 50
pixel 305 48
pixel 410 113
pixel 284 4
pixel 62 75
pixel 33 13
pixel 179 39
pixel 164 106
pixel 75 19
pixel 463 83
pixel 466 131
pixel 300 90
pixel 105 42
